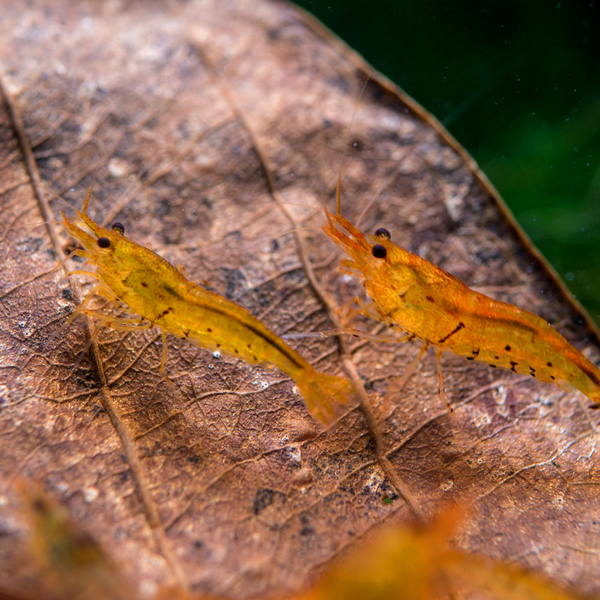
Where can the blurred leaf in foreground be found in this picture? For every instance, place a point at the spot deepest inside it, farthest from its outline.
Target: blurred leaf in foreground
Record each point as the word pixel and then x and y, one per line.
pixel 398 562
pixel 409 563
pixel 68 562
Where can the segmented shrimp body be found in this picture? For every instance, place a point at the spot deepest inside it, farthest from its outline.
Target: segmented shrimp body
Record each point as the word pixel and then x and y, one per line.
pixel 430 304
pixel 162 296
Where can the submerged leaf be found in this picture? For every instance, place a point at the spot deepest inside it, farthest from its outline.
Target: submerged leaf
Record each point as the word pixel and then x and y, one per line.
pixel 216 128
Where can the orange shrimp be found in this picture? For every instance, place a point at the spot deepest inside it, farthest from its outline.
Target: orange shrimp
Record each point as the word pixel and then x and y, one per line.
pixel 160 295
pixel 428 303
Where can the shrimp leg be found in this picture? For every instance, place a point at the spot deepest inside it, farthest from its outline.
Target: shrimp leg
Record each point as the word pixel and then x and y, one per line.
pixel 440 373
pixel 401 380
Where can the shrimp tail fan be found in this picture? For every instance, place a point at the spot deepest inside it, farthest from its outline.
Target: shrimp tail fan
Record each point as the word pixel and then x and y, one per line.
pixel 322 393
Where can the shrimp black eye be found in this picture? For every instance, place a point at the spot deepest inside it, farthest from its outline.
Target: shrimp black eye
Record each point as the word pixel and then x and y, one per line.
pixel 104 242
pixel 382 232
pixel 378 251
pixel 118 227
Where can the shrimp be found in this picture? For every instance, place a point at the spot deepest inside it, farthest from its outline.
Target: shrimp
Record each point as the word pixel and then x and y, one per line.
pixel 432 305
pixel 161 296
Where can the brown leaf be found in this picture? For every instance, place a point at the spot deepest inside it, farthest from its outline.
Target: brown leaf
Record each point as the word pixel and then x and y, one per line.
pixel 218 127
pixel 401 562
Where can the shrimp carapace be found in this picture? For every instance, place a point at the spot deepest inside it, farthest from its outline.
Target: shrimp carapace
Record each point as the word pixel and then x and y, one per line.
pixel 160 295
pixel 428 303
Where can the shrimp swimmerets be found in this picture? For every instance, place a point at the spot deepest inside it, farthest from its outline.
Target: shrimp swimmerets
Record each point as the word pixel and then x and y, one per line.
pixel 160 295
pixel 428 303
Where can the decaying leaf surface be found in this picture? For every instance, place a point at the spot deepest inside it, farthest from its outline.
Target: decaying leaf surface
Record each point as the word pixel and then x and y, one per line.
pixel 398 561
pixel 219 126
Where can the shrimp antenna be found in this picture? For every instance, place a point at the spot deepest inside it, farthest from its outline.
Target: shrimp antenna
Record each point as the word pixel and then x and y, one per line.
pixel 339 181
pixel 379 191
pixel 89 192
pixel 101 160
pixel 55 195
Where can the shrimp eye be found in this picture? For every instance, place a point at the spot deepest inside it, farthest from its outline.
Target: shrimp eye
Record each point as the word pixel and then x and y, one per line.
pixel 104 242
pixel 118 227
pixel 383 233
pixel 378 251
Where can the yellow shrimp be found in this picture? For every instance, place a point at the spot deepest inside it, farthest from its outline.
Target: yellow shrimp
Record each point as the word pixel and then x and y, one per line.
pixel 162 296
pixel 428 303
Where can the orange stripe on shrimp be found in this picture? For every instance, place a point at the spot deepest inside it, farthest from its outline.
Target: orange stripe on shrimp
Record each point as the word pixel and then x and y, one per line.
pixel 157 294
pixel 428 303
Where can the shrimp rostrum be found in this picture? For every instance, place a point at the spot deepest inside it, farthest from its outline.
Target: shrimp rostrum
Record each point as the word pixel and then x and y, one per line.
pixel 428 303
pixel 157 294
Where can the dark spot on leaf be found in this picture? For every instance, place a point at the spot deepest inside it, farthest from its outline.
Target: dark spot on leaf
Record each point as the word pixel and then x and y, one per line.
pixel 507 348
pixel 194 459
pixel 264 497
pixel 429 299
pixel 356 143
pixel 103 242
pixel 30 245
pixel 236 281
pixel 273 34
pixel 493 366
pixel 549 364
pixel 144 284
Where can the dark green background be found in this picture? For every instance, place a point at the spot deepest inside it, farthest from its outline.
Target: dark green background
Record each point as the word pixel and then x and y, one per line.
pixel 518 84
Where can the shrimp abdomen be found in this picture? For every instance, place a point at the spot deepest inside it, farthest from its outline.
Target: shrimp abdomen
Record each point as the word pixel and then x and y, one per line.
pixel 502 335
